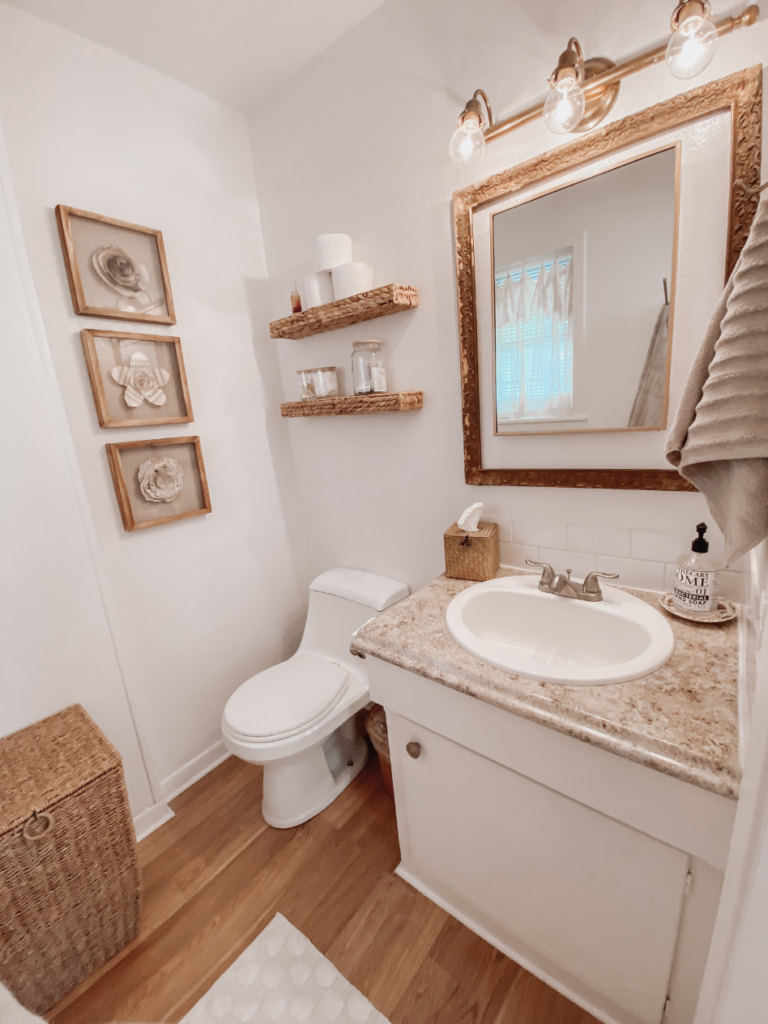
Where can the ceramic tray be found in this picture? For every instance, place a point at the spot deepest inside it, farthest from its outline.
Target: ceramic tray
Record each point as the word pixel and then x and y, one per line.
pixel 726 610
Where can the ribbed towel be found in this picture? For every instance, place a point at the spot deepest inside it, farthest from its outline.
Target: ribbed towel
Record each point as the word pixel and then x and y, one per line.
pixel 719 440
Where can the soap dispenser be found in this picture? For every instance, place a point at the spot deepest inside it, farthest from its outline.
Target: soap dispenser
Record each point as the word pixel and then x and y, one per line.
pixel 697 578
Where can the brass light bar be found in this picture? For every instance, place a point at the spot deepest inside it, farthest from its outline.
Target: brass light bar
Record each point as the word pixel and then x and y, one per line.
pixel 598 83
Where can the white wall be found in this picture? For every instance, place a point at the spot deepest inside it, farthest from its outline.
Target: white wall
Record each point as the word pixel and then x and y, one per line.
pixel 197 606
pixel 358 143
pixel 55 638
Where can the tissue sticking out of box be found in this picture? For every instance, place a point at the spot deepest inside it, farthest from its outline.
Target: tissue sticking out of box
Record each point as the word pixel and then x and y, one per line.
pixel 470 517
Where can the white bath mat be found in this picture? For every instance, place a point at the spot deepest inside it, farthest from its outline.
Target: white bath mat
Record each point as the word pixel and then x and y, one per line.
pixel 280 979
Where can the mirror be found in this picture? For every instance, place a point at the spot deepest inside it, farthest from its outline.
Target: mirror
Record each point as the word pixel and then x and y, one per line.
pixel 582 278
pixel 565 326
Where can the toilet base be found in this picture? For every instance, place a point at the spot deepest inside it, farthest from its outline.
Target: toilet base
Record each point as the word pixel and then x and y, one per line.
pixel 299 787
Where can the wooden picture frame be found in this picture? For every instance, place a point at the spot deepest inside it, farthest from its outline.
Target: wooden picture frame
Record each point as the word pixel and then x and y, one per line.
pixel 137 394
pixel 741 94
pixel 115 269
pixel 149 494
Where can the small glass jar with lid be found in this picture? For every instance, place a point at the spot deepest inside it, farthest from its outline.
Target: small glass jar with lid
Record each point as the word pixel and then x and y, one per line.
pixel 318 383
pixel 368 374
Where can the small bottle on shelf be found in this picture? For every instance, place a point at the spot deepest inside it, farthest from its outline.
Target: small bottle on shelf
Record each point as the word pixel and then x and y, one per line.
pixel 697 578
pixel 295 299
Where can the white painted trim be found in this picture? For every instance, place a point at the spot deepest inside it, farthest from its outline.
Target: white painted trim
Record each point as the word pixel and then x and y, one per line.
pixel 513 954
pixel 151 818
pixel 744 696
pixel 193 770
pixel 744 859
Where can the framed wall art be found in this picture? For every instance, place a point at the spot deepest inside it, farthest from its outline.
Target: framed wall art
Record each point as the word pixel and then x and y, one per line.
pixel 159 481
pixel 115 269
pixel 137 380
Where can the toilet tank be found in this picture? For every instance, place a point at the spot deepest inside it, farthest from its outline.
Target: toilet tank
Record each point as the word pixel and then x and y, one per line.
pixel 340 601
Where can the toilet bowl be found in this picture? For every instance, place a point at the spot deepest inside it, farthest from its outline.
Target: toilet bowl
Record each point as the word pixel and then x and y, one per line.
pixel 297 718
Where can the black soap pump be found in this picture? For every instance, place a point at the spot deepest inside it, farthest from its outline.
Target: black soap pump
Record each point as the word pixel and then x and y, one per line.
pixel 697 578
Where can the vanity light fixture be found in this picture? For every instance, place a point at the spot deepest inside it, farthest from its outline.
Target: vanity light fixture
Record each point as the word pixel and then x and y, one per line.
pixel 568 108
pixel 468 141
pixel 694 39
pixel 565 104
pixel 595 82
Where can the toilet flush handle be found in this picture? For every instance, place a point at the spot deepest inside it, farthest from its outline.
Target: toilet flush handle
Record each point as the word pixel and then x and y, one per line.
pixel 413 749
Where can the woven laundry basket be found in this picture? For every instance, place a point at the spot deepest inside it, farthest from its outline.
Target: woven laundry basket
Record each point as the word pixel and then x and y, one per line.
pixel 376 724
pixel 472 556
pixel 69 879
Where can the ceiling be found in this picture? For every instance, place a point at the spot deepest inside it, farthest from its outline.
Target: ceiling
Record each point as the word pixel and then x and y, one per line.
pixel 234 50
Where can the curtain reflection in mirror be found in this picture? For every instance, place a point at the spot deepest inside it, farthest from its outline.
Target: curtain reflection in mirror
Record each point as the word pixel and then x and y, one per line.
pixel 534 338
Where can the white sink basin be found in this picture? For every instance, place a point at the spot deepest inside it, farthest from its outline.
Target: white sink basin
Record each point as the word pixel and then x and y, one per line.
pixel 511 624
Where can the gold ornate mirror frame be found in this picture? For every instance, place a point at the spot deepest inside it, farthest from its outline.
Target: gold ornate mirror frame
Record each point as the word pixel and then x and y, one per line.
pixel 741 94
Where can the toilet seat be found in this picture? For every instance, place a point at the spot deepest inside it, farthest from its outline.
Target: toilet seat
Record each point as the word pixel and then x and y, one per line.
pixel 286 699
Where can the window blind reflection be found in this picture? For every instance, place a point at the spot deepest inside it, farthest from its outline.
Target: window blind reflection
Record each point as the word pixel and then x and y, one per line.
pixel 534 338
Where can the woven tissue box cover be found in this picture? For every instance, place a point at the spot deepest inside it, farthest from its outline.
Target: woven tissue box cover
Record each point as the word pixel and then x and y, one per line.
pixel 69 880
pixel 472 556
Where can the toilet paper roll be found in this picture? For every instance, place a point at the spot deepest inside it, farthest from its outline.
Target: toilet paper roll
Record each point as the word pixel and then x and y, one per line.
pixel 318 289
pixel 333 250
pixel 352 278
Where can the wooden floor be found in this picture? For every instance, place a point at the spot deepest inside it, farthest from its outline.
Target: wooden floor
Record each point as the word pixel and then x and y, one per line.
pixel 215 875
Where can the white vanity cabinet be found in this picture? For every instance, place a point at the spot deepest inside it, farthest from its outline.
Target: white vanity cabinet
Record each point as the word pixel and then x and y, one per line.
pixel 596 873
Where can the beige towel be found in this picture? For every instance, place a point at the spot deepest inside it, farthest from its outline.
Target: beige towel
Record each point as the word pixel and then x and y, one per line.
pixel 719 440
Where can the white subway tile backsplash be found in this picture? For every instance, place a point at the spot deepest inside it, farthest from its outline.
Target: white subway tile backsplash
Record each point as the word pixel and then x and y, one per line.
pixel 732 585
pixel 516 554
pixel 547 535
pixel 669 578
pixel 600 540
pixel 633 572
pixel 505 529
pixel 578 561
pixel 582 538
pixel 656 546
pixel 740 565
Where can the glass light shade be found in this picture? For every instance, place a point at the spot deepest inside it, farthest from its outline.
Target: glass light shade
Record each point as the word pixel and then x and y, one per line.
pixel 691 47
pixel 468 144
pixel 564 107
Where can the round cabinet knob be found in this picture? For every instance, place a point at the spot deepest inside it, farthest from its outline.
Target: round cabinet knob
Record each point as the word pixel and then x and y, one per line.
pixel 414 749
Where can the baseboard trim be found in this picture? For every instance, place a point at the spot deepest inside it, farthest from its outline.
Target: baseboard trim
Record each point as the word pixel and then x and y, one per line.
pixel 195 769
pixel 153 817
pixel 509 951
pixel 150 819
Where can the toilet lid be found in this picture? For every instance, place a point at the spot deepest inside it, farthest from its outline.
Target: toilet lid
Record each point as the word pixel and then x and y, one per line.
pixel 286 698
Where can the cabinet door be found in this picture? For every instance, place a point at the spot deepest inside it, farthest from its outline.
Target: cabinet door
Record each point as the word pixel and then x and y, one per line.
pixel 593 903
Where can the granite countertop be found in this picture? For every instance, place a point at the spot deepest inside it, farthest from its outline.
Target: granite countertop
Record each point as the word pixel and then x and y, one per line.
pixel 681 720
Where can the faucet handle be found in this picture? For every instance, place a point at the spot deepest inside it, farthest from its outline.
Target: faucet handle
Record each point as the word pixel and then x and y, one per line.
pixel 547 575
pixel 591 586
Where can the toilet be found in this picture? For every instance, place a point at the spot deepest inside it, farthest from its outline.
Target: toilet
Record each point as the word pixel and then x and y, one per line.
pixel 297 718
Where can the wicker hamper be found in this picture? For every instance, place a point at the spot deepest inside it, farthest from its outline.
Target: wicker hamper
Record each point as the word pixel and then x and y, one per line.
pixel 376 723
pixel 472 556
pixel 69 880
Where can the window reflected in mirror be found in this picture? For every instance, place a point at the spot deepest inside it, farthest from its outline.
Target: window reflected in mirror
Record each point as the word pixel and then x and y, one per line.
pixel 582 280
pixel 534 339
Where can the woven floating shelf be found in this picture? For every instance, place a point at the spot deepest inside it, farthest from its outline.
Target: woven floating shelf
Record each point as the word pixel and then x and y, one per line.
pixel 355 405
pixel 391 298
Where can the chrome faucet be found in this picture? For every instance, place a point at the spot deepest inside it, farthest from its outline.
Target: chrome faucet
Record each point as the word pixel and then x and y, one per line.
pixel 563 586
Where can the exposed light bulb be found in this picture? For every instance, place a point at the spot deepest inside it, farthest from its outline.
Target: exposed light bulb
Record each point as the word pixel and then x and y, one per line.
pixel 467 144
pixel 691 47
pixel 564 107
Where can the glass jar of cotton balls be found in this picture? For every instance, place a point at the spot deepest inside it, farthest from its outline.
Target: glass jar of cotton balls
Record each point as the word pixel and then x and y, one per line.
pixel 368 374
